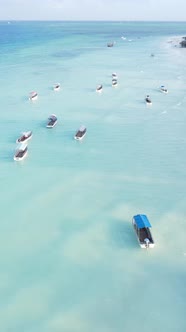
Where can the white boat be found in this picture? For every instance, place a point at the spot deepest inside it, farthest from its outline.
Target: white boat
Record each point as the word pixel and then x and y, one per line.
pixel 148 100
pixel 81 132
pixel 52 120
pixel 21 152
pixel 99 88
pixel 33 95
pixel 142 227
pixel 114 75
pixel 163 89
pixel 24 137
pixel 110 44
pixel 57 87
pixel 114 82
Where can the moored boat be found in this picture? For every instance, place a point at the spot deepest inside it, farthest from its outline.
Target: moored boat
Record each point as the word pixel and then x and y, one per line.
pixel 163 89
pixel 114 82
pixel 110 44
pixel 81 132
pixel 148 100
pixel 99 88
pixel 33 95
pixel 142 227
pixel 24 137
pixel 21 152
pixel 114 76
pixel 57 87
pixel 52 120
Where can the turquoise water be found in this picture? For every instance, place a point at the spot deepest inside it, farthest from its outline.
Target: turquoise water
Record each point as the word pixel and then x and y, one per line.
pixel 69 257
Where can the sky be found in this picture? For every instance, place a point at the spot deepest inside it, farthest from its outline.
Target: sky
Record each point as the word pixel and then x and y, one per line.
pixel 146 10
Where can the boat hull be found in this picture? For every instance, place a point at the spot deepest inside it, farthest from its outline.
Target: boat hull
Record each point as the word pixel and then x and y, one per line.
pixel 20 140
pixel 51 126
pixel 20 158
pixel 33 98
pixel 164 91
pixel 79 138
pixel 145 236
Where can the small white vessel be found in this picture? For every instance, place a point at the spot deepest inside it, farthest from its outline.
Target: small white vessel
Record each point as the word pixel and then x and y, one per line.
pixel 142 227
pixel 57 87
pixel 99 88
pixel 21 152
pixel 114 76
pixel 148 100
pixel 110 44
pixel 163 89
pixel 24 137
pixel 114 82
pixel 33 95
pixel 52 120
pixel 80 133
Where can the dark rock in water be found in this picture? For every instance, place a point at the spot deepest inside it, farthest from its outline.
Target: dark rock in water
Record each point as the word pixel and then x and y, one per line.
pixel 183 42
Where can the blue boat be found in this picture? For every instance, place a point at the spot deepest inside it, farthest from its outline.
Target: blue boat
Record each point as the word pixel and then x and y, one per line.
pixel 142 227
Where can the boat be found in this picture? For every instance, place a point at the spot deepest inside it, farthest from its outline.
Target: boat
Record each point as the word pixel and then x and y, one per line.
pixel 114 76
pixel 33 95
pixel 163 89
pixel 24 137
pixel 99 88
pixel 142 227
pixel 110 44
pixel 80 133
pixel 57 87
pixel 148 100
pixel 21 152
pixel 52 120
pixel 114 82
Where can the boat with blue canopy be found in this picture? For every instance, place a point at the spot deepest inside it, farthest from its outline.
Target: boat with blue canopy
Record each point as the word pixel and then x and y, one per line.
pixel 142 227
pixel 163 89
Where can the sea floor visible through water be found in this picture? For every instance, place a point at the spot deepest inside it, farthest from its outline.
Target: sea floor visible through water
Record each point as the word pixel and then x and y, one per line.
pixel 70 260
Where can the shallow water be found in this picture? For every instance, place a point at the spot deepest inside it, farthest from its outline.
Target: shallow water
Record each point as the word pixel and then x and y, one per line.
pixel 69 259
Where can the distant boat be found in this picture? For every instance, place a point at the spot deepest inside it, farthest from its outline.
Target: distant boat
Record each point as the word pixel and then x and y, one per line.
pixel 142 227
pixel 33 95
pixel 52 120
pixel 110 44
pixel 99 88
pixel 148 100
pixel 114 82
pixel 24 137
pixel 163 89
pixel 57 87
pixel 80 133
pixel 21 152
pixel 114 76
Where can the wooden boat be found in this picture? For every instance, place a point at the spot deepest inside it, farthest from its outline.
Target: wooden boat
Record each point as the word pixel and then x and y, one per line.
pixel 21 152
pixel 24 137
pixel 142 227
pixel 33 95
pixel 81 132
pixel 52 120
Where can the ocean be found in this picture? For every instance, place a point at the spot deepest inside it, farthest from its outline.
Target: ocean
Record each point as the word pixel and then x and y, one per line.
pixel 70 260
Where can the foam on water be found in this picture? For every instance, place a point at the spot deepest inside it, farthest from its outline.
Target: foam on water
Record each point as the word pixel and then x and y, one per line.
pixel 69 259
